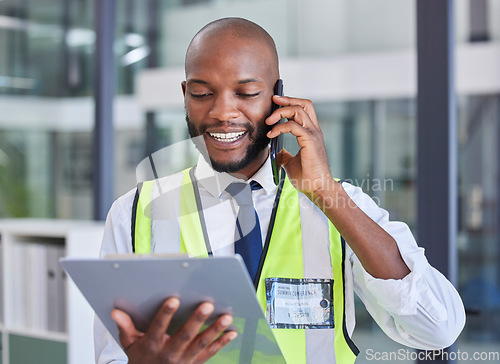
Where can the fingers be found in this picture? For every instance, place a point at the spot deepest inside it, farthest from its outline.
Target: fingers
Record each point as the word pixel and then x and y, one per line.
pixel 292 127
pixel 215 346
pixel 303 104
pixel 205 340
pixel 295 113
pixel 191 328
pixel 159 325
pixel 188 344
pixel 128 334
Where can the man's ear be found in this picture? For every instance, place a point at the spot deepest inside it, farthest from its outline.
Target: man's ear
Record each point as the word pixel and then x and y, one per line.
pixel 183 85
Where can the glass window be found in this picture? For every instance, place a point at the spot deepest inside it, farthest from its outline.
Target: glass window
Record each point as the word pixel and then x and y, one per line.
pixel 479 217
pixel 45 58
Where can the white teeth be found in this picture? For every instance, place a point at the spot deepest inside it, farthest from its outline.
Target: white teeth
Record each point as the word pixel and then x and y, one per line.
pixel 227 137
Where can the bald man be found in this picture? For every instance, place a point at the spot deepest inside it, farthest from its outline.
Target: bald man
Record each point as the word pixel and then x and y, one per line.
pixel 231 70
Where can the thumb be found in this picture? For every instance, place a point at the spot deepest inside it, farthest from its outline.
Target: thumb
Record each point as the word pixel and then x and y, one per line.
pixel 283 157
pixel 128 334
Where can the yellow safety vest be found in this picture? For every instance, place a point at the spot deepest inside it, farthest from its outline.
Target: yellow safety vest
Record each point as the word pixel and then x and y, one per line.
pixel 284 258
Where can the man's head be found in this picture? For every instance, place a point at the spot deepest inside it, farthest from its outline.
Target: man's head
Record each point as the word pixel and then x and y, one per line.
pixel 231 70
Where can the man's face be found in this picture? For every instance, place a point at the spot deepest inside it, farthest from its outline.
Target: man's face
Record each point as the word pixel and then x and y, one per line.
pixel 227 94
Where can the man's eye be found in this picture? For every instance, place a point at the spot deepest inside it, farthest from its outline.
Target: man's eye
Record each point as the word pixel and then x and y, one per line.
pixel 199 96
pixel 249 95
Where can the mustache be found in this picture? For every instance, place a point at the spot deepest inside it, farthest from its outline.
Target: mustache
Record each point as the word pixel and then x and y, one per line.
pixel 203 128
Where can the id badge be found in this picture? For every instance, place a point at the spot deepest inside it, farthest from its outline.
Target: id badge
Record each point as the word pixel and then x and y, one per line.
pixel 299 303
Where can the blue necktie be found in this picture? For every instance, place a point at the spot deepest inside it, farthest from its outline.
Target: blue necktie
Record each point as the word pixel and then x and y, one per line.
pixel 247 235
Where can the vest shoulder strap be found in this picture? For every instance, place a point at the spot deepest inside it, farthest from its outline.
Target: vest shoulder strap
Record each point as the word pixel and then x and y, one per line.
pixel 141 218
pixel 193 239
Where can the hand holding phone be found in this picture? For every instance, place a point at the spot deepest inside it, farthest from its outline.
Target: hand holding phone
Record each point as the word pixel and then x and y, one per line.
pixel 276 143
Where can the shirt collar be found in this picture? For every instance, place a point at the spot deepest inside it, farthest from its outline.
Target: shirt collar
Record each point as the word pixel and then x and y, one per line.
pixel 216 182
pixel 265 177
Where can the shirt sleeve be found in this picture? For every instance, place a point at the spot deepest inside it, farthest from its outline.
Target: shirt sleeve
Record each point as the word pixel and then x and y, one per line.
pixel 116 240
pixel 423 310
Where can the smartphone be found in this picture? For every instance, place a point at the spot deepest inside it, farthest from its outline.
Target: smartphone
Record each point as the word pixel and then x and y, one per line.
pixel 276 143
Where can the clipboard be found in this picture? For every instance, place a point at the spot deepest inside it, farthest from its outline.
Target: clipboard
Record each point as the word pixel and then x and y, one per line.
pixel 139 284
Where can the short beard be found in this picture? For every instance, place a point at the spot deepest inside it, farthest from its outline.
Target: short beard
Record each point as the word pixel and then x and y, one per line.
pixel 258 138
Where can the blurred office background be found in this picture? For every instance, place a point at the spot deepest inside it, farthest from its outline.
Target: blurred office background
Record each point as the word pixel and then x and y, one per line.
pixel 356 59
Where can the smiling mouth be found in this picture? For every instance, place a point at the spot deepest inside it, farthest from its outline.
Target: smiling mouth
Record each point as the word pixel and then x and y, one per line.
pixel 227 137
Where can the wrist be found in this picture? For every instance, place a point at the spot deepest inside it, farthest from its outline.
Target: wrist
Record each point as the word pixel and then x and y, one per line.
pixel 325 193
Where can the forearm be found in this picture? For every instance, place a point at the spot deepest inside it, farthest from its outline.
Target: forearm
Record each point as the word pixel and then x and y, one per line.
pixel 375 248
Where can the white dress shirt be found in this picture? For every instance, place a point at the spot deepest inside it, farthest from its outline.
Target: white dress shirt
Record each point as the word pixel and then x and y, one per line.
pixel 423 310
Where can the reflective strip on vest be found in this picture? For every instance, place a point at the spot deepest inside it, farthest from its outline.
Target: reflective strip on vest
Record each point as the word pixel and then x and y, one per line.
pixel 287 257
pixel 192 240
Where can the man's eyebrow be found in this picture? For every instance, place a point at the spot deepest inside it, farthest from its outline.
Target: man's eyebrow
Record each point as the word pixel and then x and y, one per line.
pixel 240 82
pixel 250 80
pixel 194 80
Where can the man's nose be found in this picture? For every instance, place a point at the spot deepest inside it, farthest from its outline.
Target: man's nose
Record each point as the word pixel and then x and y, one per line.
pixel 223 108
